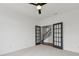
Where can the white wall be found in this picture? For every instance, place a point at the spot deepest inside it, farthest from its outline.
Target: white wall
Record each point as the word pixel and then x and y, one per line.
pixel 71 28
pixel 17 31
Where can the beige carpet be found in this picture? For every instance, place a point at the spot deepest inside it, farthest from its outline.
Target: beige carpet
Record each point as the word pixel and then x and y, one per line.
pixel 42 50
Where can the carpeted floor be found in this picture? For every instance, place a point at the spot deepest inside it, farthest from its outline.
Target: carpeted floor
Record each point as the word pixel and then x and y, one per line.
pixel 42 50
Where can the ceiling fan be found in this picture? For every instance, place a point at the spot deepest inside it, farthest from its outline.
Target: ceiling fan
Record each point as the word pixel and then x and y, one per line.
pixel 38 6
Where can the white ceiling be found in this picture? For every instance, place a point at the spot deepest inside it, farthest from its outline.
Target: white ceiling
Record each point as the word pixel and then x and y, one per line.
pixel 48 10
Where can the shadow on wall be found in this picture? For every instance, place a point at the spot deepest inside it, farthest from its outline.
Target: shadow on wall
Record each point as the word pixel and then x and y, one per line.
pixel 47 34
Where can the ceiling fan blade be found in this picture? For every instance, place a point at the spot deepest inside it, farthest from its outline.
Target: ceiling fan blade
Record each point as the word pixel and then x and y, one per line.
pixel 33 4
pixel 39 11
pixel 42 4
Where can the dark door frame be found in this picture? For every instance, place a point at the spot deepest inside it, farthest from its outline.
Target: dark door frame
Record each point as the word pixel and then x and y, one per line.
pixel 56 35
pixel 37 35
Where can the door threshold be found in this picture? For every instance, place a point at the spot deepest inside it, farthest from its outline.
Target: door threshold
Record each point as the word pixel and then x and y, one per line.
pixel 46 43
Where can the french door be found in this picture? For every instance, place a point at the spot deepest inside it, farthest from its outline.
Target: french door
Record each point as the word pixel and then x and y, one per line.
pixel 37 35
pixel 58 35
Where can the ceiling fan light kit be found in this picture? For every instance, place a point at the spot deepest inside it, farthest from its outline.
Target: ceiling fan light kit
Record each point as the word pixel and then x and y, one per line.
pixel 38 6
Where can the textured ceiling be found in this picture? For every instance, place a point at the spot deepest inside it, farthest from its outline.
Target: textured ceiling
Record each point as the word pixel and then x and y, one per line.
pixel 48 10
